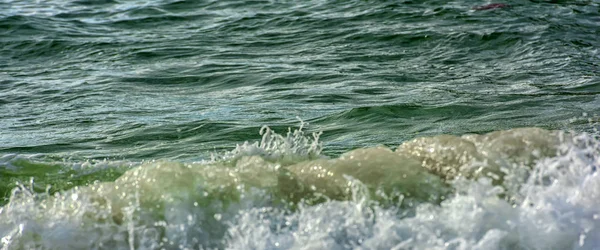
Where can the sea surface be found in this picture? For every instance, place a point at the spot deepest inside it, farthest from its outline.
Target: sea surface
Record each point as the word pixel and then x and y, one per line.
pixel 316 124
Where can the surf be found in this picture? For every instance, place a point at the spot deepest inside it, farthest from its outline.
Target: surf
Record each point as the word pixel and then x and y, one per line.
pixel 512 179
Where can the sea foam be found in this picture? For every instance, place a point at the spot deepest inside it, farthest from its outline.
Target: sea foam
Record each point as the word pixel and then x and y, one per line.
pixel 517 189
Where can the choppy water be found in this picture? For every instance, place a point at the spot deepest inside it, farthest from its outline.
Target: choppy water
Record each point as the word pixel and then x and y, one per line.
pixel 139 125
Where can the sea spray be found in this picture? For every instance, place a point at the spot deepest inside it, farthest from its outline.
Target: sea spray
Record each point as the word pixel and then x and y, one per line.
pixel 372 198
pixel 293 147
pixel 558 211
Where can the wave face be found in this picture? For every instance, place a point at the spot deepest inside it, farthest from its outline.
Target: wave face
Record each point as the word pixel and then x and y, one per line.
pixel 525 188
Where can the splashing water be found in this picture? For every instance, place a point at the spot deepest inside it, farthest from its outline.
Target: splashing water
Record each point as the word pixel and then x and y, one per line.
pixel 517 189
pixel 293 147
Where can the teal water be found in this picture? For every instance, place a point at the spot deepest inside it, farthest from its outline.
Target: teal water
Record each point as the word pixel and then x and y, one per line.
pixel 413 124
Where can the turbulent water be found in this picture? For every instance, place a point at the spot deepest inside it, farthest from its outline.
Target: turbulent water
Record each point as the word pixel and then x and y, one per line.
pixel 318 124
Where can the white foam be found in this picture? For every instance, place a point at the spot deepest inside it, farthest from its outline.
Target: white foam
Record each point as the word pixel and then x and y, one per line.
pixel 233 205
pixel 294 146
pixel 559 211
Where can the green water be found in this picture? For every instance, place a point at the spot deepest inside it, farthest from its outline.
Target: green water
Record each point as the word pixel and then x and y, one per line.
pixel 94 91
pixel 175 79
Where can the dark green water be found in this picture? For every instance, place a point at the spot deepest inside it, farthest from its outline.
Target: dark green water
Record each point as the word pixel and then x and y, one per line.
pixel 91 90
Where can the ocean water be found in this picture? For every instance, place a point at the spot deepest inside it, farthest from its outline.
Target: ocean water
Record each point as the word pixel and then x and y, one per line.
pixel 318 124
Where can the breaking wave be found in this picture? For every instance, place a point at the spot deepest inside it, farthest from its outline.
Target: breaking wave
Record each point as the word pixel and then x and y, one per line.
pixel 525 188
